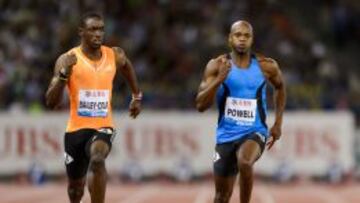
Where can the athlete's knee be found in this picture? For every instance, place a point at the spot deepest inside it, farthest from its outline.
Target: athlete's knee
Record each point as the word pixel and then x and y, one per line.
pixel 97 162
pixel 245 163
pixel 248 153
pixel 222 197
pixel 246 160
pixel 75 192
pixel 99 149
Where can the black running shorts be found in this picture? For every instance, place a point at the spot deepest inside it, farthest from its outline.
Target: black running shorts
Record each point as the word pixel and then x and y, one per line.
pixel 77 149
pixel 225 161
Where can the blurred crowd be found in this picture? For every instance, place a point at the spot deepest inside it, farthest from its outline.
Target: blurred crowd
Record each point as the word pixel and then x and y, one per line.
pixel 316 43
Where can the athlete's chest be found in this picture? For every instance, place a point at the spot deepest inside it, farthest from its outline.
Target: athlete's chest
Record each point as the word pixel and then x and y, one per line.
pixel 87 74
pixel 244 79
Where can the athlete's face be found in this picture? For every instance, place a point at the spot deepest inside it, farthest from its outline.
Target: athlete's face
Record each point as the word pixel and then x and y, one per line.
pixel 93 32
pixel 241 38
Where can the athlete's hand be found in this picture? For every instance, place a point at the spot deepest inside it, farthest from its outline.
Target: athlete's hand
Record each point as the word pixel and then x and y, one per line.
pixel 275 133
pixel 134 108
pixel 224 67
pixel 69 61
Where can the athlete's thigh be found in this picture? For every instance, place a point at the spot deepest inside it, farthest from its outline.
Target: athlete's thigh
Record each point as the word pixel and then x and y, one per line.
pixel 101 142
pixel 76 161
pixel 98 148
pixel 225 162
pixel 249 151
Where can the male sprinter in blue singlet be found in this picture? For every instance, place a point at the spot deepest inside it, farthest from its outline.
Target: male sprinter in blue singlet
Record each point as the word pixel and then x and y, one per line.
pixel 238 81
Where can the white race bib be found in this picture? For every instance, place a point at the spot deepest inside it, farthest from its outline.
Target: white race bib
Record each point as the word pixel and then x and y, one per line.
pixel 93 103
pixel 241 110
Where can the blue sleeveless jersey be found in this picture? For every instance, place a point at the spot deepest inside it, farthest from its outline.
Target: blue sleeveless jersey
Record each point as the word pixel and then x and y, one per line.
pixel 241 100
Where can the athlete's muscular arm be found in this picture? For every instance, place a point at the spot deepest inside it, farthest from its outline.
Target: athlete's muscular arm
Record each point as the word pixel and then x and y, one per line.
pixel 216 72
pixel 62 71
pixel 126 68
pixel 273 74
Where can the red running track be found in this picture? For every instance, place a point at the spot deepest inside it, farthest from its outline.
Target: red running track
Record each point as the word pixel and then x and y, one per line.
pixel 186 193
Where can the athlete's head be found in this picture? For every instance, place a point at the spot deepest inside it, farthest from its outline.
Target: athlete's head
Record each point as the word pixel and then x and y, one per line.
pixel 241 37
pixel 91 30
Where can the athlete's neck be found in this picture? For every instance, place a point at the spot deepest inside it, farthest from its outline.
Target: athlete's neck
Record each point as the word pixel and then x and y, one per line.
pixel 241 60
pixel 91 53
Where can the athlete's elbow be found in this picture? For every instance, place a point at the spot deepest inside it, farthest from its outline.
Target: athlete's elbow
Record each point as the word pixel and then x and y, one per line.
pixel 200 107
pixel 50 102
pixel 280 86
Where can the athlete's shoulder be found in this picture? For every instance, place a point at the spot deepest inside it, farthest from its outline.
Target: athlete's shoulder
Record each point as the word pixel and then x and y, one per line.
pixel 71 50
pixel 268 65
pixel 66 54
pixel 217 59
pixel 120 55
pixel 212 66
pixel 118 50
pixel 220 56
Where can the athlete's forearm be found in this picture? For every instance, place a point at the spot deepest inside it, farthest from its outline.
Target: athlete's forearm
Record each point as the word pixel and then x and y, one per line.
pixel 55 92
pixel 280 102
pixel 206 97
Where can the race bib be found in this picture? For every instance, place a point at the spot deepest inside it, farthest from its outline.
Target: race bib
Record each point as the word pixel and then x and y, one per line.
pixel 241 110
pixel 93 103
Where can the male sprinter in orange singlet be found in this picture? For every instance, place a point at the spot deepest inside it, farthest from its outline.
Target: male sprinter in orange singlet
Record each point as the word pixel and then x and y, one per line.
pixel 88 72
pixel 238 80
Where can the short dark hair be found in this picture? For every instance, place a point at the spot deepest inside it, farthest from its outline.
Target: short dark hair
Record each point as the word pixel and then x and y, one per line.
pixel 88 15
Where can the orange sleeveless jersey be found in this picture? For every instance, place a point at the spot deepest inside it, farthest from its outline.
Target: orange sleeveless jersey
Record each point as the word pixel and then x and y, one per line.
pixel 90 91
